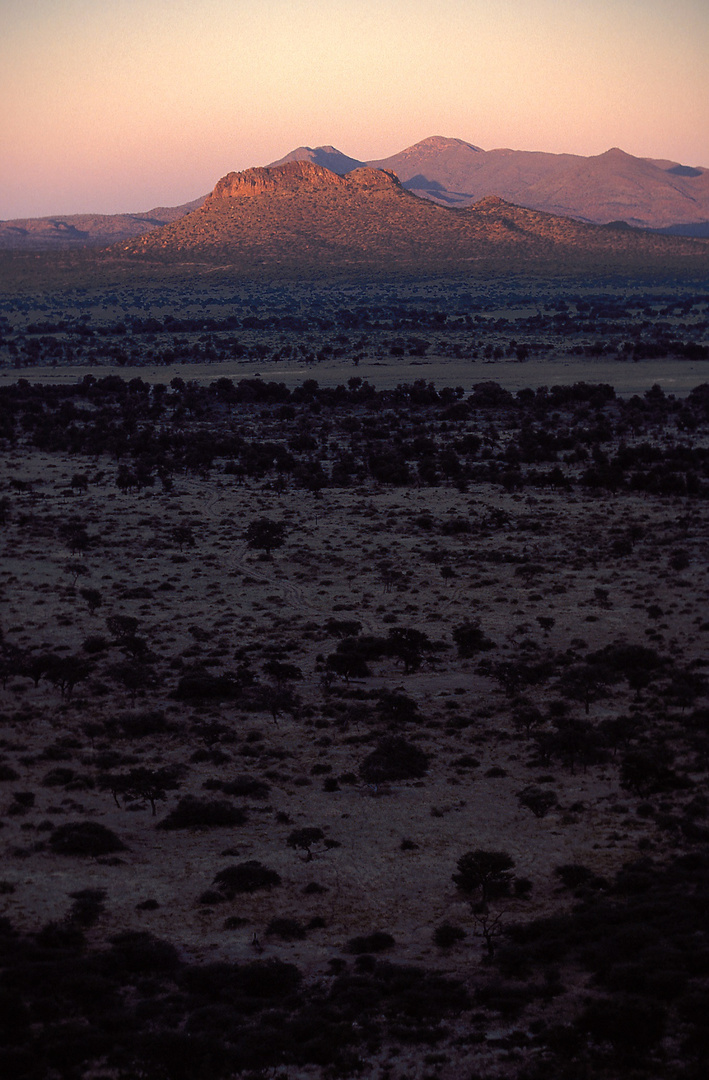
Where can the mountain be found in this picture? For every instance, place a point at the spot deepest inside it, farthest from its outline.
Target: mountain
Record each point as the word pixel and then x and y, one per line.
pixel 61 233
pixel 327 156
pixel 301 218
pixel 613 186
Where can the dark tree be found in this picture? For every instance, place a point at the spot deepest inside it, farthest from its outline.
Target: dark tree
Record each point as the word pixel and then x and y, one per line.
pixel 394 759
pixel 408 645
pixel 150 785
pixel 182 534
pixel 303 839
pixel 282 673
pixel 92 597
pixel 539 800
pixel 66 671
pixel 470 639
pixel 490 872
pixel 246 877
pixel 349 665
pixel 265 535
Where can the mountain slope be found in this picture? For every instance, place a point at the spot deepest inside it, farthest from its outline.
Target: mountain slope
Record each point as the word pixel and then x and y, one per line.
pixel 300 217
pixel 610 187
pixel 84 230
pixel 327 156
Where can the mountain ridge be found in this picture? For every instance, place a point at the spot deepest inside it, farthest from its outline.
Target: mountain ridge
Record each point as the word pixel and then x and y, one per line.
pixel 300 218
pixel 656 194
pixel 606 187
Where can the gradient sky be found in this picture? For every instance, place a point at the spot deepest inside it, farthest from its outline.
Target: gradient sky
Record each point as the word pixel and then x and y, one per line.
pixel 124 105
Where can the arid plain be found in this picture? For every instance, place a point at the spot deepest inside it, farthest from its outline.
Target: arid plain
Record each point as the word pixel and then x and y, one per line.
pixel 353 650
pixel 480 631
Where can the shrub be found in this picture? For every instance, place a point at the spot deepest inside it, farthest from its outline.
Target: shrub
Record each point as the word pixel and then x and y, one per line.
pixel 88 906
pixel 314 889
pixel 470 639
pixel 303 839
pixel 572 875
pixel 84 838
pixel 446 935
pixel 246 877
pixel 377 942
pixel 141 725
pixel 192 813
pixel 286 929
pixel 139 952
pixel 241 787
pixel 207 688
pixel 211 897
pixel 539 800
pixel 489 871
pixel 394 759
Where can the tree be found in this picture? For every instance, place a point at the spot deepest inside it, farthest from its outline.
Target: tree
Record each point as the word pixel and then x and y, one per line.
pixel 265 535
pixel 394 759
pixel 133 676
pixel 349 665
pixel 470 639
pixel 76 570
pixel 408 645
pixel 539 800
pixel 122 627
pixel 182 534
pixel 92 597
pixel 150 785
pixel 66 671
pixel 490 872
pixel 75 536
pixel 587 682
pixel 489 928
pixel 282 673
pixel 304 839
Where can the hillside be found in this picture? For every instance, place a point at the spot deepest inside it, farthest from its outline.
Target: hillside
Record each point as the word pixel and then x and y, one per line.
pixel 302 217
pixel 64 232
pixel 613 186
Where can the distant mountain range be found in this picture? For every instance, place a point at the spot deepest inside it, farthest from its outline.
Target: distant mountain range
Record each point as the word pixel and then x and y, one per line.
pixel 612 187
pixel 62 232
pixel 301 218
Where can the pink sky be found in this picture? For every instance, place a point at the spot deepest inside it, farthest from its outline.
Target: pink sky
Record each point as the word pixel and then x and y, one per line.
pixel 132 104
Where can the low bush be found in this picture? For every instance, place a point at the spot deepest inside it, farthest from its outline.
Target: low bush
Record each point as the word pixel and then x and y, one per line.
pixel 286 929
pixel 192 813
pixel 377 942
pixel 246 877
pixel 88 838
pixel 445 935
pixel 394 759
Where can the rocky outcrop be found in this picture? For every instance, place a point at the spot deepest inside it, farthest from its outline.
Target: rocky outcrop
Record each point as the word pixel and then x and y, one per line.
pixel 299 177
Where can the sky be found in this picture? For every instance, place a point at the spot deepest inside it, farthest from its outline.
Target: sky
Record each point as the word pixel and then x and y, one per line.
pixel 125 105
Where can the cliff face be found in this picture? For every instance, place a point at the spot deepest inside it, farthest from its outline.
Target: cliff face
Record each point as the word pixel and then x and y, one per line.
pixel 299 177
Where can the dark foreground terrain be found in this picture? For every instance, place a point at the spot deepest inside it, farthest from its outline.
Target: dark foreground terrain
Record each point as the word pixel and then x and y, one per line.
pixel 345 729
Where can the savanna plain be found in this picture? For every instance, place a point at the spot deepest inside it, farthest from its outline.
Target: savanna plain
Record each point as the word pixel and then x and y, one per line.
pixel 355 712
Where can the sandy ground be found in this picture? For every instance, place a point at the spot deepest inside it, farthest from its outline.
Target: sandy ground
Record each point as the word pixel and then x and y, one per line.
pixel 330 565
